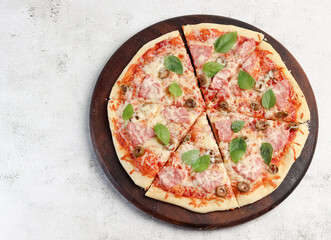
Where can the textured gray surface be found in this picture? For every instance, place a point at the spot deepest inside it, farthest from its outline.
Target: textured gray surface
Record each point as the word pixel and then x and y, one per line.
pixel 51 186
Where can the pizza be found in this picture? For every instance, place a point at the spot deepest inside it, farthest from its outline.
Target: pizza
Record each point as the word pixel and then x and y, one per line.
pixel 213 134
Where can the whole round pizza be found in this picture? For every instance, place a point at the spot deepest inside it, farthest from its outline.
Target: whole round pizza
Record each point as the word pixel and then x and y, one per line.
pixel 210 127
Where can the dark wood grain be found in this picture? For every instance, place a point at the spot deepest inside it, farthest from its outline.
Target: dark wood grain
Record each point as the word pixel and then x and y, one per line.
pixel 103 145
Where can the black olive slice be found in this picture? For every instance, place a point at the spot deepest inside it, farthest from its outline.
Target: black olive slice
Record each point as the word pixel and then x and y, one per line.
pixel 164 73
pixel 261 125
pixel 138 151
pixel 203 80
pixel 224 105
pixel 124 88
pixel 281 114
pixel 218 158
pixel 273 169
pixel 255 106
pixel 243 187
pixel 293 126
pixel 221 191
pixel 190 103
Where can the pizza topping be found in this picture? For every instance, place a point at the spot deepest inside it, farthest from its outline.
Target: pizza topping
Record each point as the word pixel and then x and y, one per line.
pixel 262 125
pixel 127 112
pixel 222 60
pixel 164 73
pixel 175 89
pixel 187 138
pixel 237 126
pixel 250 167
pixel 176 114
pixel 202 80
pixel 262 81
pixel 201 164
pixel 251 63
pixel 220 81
pixel 209 179
pixel 293 125
pixel 246 48
pixel 282 92
pixel 277 138
pixel 162 133
pixel 138 151
pixel 173 64
pixel 225 42
pixel 273 169
pixel 139 133
pixel 124 88
pixel 243 187
pixel 255 106
pixel 190 103
pixel 224 106
pixel 221 191
pixel 200 54
pixel 150 89
pixel 266 152
pixel 281 114
pixel 269 99
pixel 218 159
pixel 223 130
pixel 170 176
pixel 245 81
pixel 237 149
pixel 170 146
pixel 211 68
pixel 190 157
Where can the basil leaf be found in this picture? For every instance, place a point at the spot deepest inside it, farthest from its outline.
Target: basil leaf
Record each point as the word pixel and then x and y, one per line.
pixel 237 148
pixel 245 81
pixel 266 150
pixel 190 157
pixel 269 99
pixel 162 133
pixel 173 64
pixel 127 112
pixel 175 89
pixel 201 164
pixel 225 42
pixel 211 68
pixel 237 126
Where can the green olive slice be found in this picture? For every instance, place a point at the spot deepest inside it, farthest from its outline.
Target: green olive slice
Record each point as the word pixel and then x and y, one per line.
pixel 190 103
pixel 281 114
pixel 255 106
pixel 164 73
pixel 224 105
pixel 221 191
pixel 138 151
pixel 261 125
pixel 202 80
pixel 273 169
pixel 243 187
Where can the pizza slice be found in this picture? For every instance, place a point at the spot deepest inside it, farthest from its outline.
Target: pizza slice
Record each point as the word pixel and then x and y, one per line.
pixel 257 153
pixel 145 134
pixel 160 72
pixel 217 51
pixel 195 177
pixel 263 87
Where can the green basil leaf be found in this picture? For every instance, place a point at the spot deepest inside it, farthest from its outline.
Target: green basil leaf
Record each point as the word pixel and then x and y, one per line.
pixel 190 157
pixel 266 150
pixel 162 133
pixel 225 42
pixel 128 111
pixel 237 126
pixel 175 89
pixel 211 68
pixel 237 149
pixel 173 64
pixel 201 164
pixel 245 81
pixel 269 99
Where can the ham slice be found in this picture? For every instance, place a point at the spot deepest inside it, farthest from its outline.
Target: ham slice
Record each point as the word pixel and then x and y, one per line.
pixel 150 89
pixel 277 138
pixel 176 114
pixel 200 54
pixel 139 133
pixel 209 180
pixel 282 92
pixel 250 168
pixel 223 130
pixel 170 176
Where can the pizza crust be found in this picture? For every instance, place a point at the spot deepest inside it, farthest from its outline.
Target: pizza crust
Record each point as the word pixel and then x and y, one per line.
pixel 160 194
pixel 288 160
pixel 116 88
pixel 275 57
pixel 225 28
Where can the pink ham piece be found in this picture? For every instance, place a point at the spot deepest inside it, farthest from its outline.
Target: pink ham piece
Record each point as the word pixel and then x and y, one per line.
pixel 200 54
pixel 176 114
pixel 277 138
pixel 220 80
pixel 150 89
pixel 251 63
pixel 246 48
pixel 223 130
pixel 250 168
pixel 209 179
pixel 170 176
pixel 139 133
pixel 282 92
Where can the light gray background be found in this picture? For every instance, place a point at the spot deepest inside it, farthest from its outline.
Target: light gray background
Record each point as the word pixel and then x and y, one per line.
pixel 51 185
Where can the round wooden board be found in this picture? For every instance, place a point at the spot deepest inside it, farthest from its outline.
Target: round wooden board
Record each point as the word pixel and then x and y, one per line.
pixel 103 145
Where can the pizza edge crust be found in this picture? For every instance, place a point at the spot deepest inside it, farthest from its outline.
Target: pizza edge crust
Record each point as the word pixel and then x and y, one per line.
pixel 160 194
pixel 224 28
pixel 141 51
pixel 276 58
pixel 288 159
